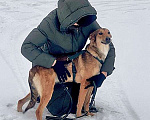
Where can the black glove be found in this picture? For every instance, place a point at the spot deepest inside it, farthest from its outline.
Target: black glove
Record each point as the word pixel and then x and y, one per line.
pixel 61 71
pixel 98 79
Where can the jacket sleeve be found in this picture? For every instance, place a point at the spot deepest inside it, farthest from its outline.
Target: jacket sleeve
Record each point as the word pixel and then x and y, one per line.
pixel 31 49
pixel 108 65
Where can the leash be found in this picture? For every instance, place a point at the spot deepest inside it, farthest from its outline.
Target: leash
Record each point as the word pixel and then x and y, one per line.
pixel 94 94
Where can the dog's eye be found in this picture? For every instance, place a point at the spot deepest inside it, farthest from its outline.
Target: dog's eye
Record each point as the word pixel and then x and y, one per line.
pixel 108 32
pixel 100 33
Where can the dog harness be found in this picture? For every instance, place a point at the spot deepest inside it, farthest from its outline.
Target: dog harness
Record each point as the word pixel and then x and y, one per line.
pixel 71 58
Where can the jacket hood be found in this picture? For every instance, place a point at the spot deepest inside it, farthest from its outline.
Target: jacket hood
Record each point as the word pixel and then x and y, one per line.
pixel 70 11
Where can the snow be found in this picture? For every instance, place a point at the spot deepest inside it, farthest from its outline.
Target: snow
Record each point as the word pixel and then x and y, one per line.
pixel 123 96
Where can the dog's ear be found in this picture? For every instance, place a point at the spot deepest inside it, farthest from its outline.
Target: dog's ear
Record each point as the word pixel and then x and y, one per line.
pixel 93 35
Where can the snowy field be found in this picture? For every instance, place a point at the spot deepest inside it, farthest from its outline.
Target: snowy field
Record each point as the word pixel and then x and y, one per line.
pixel 124 95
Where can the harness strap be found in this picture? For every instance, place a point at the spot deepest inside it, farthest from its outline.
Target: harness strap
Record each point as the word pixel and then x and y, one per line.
pixel 81 52
pixel 72 57
pixel 74 71
pixel 76 55
pixel 101 61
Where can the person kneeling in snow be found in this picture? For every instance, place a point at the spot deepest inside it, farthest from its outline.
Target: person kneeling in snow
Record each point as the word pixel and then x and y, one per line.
pixel 64 31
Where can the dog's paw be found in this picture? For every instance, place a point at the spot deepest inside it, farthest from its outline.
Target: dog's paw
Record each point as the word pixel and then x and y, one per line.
pixel 78 115
pixel 19 109
pixel 19 106
pixel 91 114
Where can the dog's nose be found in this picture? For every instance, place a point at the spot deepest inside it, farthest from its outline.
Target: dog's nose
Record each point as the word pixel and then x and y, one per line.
pixel 107 39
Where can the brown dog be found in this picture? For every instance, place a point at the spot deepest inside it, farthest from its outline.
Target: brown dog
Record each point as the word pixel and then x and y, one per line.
pixel 42 80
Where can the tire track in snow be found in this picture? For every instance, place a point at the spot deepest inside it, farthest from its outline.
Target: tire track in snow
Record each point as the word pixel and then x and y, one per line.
pixel 14 73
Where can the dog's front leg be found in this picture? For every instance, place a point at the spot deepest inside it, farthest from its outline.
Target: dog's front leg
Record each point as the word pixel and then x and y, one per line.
pixel 87 101
pixel 81 99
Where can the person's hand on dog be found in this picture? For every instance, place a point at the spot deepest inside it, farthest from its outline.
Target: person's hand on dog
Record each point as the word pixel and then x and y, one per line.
pixel 98 79
pixel 61 71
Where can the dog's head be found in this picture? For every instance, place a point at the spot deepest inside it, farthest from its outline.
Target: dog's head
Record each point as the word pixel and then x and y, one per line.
pixel 100 36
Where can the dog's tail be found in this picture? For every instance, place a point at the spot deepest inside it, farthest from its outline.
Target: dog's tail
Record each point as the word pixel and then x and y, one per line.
pixel 34 92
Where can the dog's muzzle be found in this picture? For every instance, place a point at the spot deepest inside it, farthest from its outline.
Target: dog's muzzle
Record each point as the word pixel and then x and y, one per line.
pixel 107 40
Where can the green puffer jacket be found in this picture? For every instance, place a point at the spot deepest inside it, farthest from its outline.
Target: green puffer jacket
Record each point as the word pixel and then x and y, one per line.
pixel 52 38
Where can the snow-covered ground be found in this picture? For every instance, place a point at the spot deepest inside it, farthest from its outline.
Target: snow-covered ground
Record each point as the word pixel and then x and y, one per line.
pixel 123 96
